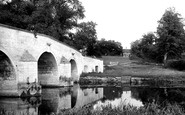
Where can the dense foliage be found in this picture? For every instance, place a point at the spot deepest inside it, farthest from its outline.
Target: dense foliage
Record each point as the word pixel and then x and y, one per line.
pixel 176 64
pixel 145 47
pixel 109 48
pixel 86 38
pixel 167 43
pixel 56 18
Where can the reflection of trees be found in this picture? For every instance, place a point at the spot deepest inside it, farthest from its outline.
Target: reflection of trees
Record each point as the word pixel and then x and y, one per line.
pixel 112 92
pixel 176 95
pixel 146 95
pixel 161 96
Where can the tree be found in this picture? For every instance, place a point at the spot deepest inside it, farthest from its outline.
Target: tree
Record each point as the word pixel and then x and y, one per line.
pixel 16 13
pixel 145 47
pixel 51 17
pixel 135 48
pixel 171 35
pixel 109 47
pixel 57 17
pixel 86 37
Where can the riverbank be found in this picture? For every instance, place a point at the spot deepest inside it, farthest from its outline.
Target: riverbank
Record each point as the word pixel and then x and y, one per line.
pixel 139 68
pixel 135 73
pixel 124 70
pixel 149 109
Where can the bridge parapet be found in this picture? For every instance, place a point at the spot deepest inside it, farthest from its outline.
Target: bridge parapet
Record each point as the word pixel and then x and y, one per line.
pixel 40 59
pixel 92 65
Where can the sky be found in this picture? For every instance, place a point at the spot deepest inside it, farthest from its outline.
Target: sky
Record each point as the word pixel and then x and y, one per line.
pixel 127 20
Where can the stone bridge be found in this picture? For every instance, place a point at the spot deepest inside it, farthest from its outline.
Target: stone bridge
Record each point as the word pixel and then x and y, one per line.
pixel 27 60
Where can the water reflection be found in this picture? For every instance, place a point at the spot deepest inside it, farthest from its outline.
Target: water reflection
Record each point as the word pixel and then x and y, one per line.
pixel 139 96
pixel 56 100
pixel 161 96
pixel 52 101
pixel 17 106
pixel 116 96
pixel 88 95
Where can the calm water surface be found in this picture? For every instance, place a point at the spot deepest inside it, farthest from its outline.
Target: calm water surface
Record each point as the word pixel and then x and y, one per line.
pixel 55 100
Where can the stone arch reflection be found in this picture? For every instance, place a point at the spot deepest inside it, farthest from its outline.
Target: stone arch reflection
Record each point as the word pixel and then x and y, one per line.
pixel 54 100
pixel 74 95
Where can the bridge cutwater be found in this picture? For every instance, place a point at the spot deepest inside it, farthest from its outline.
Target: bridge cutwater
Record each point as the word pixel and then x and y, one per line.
pixel 28 62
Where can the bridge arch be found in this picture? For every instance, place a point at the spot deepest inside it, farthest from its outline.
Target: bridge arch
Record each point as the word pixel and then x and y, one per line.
pixel 7 68
pixel 96 69
pixel 47 68
pixel 74 70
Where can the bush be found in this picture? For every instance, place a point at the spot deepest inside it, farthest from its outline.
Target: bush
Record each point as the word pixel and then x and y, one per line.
pixel 133 57
pixel 176 64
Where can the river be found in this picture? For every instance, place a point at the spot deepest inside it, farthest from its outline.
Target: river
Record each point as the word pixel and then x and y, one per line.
pixel 55 100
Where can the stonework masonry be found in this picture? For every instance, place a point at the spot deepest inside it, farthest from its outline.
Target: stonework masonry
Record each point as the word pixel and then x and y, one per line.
pixel 39 60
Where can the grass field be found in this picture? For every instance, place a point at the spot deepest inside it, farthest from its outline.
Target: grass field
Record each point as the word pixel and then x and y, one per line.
pixel 136 68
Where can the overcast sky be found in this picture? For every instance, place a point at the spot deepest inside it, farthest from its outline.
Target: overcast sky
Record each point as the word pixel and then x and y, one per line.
pixel 127 20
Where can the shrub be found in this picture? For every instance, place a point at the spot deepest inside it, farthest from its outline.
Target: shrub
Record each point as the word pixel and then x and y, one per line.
pixel 176 64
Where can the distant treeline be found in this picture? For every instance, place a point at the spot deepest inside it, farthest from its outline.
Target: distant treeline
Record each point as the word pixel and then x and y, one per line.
pixel 59 19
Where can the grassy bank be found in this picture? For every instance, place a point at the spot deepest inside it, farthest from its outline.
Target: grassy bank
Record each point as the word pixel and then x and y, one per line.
pixel 135 68
pixel 149 109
